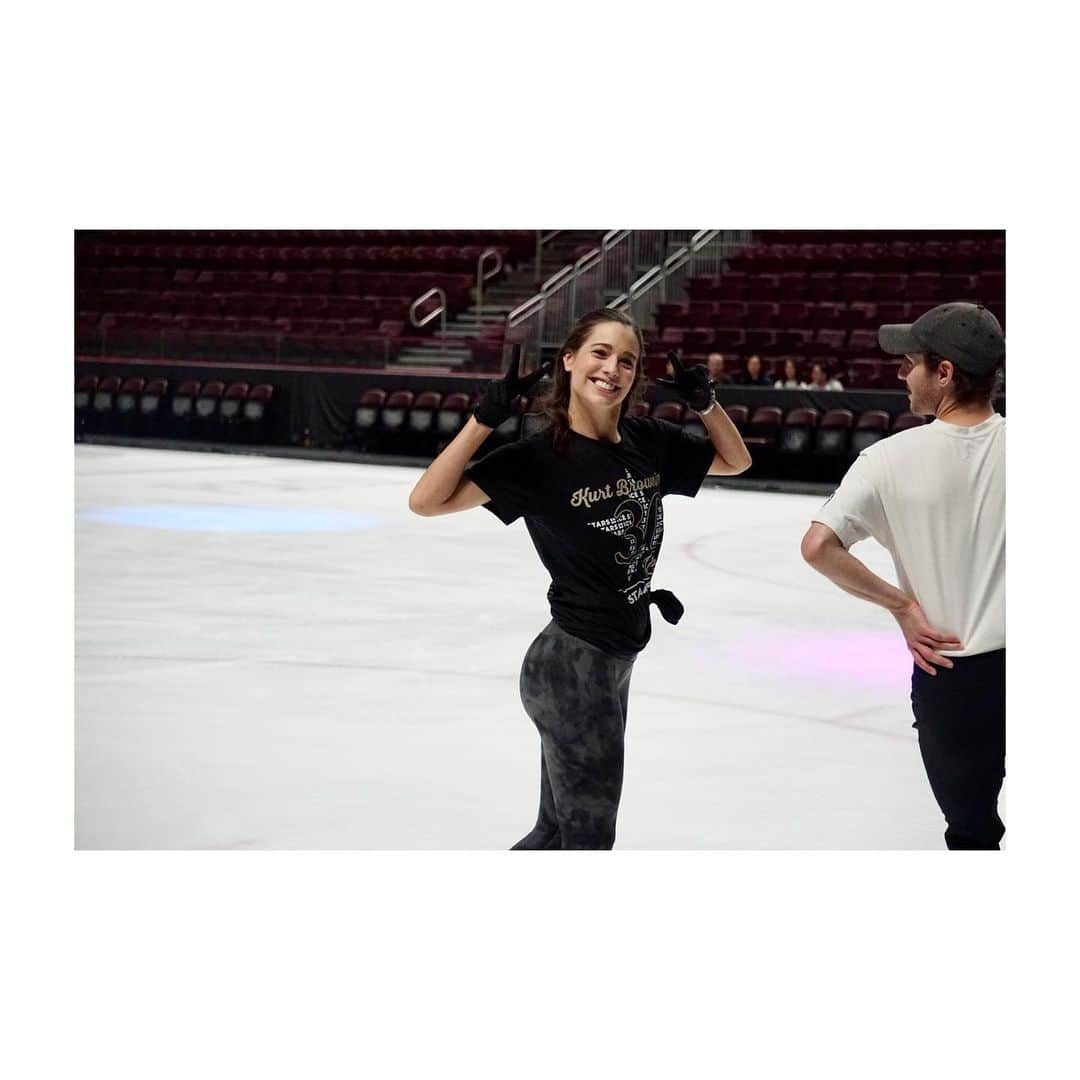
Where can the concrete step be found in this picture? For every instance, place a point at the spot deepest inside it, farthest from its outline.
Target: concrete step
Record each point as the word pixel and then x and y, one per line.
pixel 457 334
pixel 481 323
pixel 434 358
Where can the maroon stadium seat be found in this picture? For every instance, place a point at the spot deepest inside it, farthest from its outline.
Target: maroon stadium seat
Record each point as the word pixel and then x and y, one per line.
pixel 856 287
pixel 84 391
pixel 991 287
pixel 862 375
pixel 823 286
pixel 834 431
pixel 764 425
pixel 392 419
pixel 127 398
pixel 862 342
pixel 798 429
pixel 907 420
pixel 739 415
pixel 791 286
pixel 84 388
pixel 924 288
pixel 669 410
pixel 366 417
pixel 872 426
pixel 451 416
pixel 421 425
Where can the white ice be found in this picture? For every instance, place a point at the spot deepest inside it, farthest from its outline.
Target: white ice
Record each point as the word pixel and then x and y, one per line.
pixel 358 689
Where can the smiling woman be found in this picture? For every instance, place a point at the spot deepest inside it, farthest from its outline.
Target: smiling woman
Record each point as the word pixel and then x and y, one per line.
pixel 600 361
pixel 590 490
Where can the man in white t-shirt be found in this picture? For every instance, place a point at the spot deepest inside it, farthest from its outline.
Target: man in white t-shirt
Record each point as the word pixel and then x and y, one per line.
pixel 934 496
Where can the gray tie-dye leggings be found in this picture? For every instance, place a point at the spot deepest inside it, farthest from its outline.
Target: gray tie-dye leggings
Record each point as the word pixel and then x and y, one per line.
pixel 577 697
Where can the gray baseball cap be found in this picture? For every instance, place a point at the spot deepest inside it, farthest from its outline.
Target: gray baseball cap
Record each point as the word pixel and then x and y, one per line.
pixel 966 334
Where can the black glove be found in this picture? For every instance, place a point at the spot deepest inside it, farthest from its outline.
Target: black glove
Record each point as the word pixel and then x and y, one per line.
pixel 692 383
pixel 496 403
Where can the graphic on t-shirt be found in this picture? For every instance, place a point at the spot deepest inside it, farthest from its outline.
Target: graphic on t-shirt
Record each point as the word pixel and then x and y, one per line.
pixel 639 520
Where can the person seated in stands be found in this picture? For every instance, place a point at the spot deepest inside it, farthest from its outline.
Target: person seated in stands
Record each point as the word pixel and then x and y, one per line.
pixel 821 380
pixel 715 365
pixel 790 381
pixel 754 375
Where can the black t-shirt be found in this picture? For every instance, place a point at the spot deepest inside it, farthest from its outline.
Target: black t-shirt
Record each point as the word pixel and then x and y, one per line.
pixel 594 512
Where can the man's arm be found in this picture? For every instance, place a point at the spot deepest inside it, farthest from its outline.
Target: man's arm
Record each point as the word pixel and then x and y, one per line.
pixel 822 549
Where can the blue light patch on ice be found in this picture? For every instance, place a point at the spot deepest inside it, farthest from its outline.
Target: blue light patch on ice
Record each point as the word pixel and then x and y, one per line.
pixel 231 519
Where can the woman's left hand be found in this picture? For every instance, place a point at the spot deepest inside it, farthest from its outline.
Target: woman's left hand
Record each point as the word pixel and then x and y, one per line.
pixel 692 384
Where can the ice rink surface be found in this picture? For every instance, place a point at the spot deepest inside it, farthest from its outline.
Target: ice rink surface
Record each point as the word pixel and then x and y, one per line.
pixel 274 653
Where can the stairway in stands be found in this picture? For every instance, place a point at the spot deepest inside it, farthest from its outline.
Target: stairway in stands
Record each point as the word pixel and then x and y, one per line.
pixel 450 351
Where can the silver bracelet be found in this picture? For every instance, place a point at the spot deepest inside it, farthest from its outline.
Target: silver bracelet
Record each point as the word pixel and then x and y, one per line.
pixel 712 406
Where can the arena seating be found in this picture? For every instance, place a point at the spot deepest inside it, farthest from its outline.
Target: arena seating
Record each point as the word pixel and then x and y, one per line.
pixel 133 405
pixel 282 295
pixel 791 295
pixel 451 417
pixel 150 405
pixel 795 444
pixel 126 403
pixel 84 393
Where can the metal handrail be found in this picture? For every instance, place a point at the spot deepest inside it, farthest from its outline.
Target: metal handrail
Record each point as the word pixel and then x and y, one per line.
pixel 440 310
pixel 657 276
pixel 481 276
pixel 541 239
pixel 524 309
pixel 586 262
pixel 613 237
pixel 552 282
pixel 589 282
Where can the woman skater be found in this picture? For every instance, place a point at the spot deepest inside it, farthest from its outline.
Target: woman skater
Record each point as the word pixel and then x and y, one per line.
pixel 589 488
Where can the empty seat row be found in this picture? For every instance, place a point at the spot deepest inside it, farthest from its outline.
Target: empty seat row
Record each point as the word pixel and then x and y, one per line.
pixel 796 314
pixel 518 239
pixel 236 304
pixel 957 256
pixel 987 287
pixel 421 424
pixel 268 256
pixel 834 344
pixel 134 405
pixel 355 283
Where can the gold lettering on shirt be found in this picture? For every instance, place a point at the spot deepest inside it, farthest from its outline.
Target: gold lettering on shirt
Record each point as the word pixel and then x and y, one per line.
pixel 587 496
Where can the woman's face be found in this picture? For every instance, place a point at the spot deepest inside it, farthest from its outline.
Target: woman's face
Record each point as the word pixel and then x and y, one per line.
pixel 817 375
pixel 789 369
pixel 602 371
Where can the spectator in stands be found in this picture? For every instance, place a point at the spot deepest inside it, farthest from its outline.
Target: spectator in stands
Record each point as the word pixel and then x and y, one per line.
pixel 590 490
pixel 790 381
pixel 754 375
pixel 715 367
pixel 821 380
pixel 934 496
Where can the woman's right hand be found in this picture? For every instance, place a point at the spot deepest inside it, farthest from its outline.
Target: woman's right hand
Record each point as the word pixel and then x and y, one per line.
pixel 496 404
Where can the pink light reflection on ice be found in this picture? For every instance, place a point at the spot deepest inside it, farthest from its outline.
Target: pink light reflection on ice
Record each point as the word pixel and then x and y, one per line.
pixel 865 658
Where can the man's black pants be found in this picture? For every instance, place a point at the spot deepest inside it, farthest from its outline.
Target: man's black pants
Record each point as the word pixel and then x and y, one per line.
pixel 960 718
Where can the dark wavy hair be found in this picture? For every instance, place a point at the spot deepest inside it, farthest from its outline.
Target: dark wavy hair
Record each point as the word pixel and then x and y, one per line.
pixel 556 401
